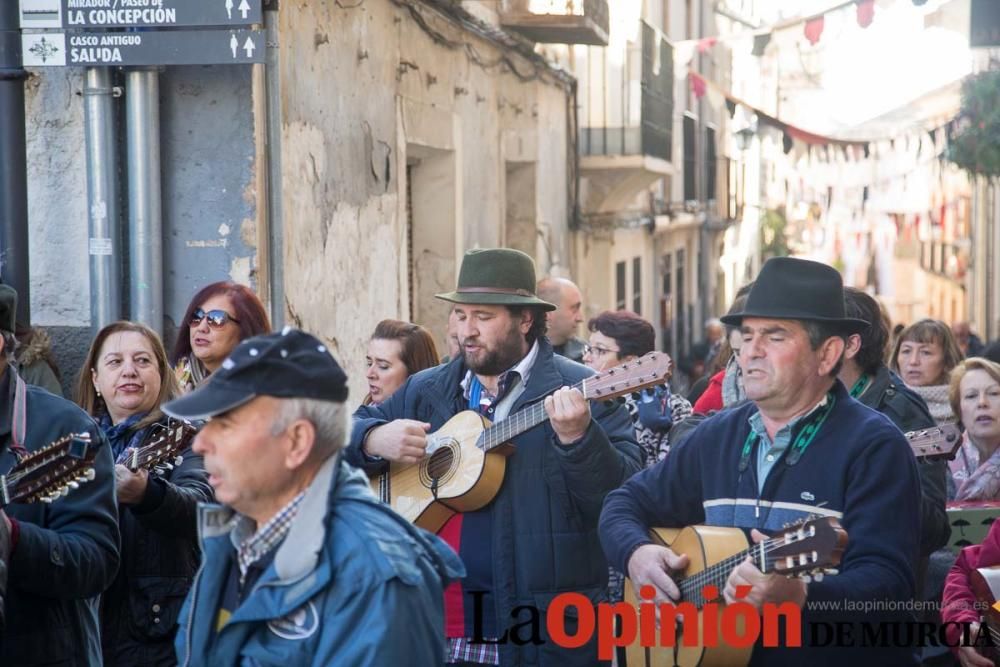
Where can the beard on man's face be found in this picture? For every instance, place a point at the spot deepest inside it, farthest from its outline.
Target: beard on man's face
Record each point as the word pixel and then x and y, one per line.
pixel 507 352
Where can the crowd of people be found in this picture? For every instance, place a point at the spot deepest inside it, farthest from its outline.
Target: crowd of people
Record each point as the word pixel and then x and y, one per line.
pixel 262 542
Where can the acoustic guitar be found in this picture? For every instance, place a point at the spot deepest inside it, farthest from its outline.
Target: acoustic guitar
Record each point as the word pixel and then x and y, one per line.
pixel 806 550
pixel 938 442
pixel 164 450
pixel 466 458
pixel 50 472
pixel 986 587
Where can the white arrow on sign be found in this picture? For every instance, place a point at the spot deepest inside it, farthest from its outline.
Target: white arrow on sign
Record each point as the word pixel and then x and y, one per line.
pixel 249 47
pixel 245 9
pixel 229 10
pixel 234 44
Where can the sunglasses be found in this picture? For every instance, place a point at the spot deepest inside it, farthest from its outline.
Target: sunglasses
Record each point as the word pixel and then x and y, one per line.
pixel 216 318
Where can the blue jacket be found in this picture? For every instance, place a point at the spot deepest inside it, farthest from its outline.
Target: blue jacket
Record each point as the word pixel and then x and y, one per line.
pixel 544 518
pixel 859 469
pixel 351 584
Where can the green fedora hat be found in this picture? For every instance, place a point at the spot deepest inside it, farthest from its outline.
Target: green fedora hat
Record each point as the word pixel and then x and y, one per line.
pixel 496 277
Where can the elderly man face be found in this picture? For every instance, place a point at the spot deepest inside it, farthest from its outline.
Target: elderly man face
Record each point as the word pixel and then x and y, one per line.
pixel 248 465
pixel 780 366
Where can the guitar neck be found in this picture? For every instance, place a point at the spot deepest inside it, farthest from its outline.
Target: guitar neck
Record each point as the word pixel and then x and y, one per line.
pixel 516 424
pixel 714 575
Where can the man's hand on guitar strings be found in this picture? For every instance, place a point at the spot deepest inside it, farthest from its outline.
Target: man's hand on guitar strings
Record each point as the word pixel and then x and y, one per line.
pixel 569 413
pixel 651 565
pixel 401 441
pixel 774 588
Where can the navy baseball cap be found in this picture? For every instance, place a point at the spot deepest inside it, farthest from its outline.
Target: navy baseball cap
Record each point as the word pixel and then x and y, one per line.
pixel 288 364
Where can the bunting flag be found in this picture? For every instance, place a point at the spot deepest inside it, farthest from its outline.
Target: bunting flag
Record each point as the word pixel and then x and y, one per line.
pixel 866 12
pixel 760 43
pixel 697 84
pixel 814 28
pixel 813 25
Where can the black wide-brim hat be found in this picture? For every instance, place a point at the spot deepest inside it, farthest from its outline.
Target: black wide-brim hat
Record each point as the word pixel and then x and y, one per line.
pixel 496 277
pixel 789 288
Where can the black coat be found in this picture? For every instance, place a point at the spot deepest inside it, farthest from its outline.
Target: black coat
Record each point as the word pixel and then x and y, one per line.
pixel 160 556
pixel 67 551
pixel 904 407
pixel 545 514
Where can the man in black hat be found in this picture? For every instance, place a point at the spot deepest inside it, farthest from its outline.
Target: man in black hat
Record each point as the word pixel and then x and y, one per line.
pixel 301 564
pixel 63 555
pixel 801 447
pixel 538 537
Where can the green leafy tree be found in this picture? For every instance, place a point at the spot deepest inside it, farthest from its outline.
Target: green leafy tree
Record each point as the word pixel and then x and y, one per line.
pixel 773 234
pixel 975 142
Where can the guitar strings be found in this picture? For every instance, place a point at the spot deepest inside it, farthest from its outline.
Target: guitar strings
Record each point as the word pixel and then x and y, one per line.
pixel 719 572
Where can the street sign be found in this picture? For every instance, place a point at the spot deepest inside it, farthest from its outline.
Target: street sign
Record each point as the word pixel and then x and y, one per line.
pixel 138 13
pixel 153 47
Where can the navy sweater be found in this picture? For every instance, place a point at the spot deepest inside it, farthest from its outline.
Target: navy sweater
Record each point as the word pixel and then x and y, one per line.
pixel 858 468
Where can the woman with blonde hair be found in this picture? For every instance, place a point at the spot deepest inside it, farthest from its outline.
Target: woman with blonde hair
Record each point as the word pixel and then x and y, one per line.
pixel 125 379
pixel 974 393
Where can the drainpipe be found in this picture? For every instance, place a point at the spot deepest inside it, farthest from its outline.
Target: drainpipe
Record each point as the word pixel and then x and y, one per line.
pixel 13 157
pixel 102 197
pixel 145 221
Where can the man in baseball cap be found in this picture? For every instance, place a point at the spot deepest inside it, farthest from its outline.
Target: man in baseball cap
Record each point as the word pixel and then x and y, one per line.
pixel 300 557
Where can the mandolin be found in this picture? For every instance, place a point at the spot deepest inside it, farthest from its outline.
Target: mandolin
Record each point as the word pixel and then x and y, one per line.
pixel 939 442
pixel 466 458
pixel 51 472
pixel 164 451
pixel 807 550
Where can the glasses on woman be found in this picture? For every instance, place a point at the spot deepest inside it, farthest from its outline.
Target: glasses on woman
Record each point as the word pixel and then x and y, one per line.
pixel 216 318
pixel 597 350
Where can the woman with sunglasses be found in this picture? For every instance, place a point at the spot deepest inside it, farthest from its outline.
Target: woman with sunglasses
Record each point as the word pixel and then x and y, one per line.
pixel 217 319
pixel 124 380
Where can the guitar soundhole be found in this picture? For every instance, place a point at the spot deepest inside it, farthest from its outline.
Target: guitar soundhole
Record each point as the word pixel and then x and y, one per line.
pixel 440 468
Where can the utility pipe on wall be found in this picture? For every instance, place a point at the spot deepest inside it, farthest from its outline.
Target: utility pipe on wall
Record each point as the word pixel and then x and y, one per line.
pixel 102 198
pixel 13 157
pixel 145 215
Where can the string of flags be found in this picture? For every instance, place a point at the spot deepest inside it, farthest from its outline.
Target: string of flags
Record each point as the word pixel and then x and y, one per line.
pixel 816 144
pixel 811 25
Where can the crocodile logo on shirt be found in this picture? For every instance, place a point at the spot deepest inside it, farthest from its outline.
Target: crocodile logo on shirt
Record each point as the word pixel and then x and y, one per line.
pixel 299 624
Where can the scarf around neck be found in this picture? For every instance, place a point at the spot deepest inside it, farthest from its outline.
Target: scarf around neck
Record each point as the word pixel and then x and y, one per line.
pixel 975 479
pixel 936 397
pixel 123 436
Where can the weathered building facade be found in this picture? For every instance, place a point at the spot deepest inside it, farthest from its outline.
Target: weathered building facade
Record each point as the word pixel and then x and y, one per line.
pixel 344 179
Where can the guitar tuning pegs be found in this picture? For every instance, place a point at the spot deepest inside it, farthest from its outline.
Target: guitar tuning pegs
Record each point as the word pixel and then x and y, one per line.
pixel 637 395
pixel 72 485
pixel 831 571
pixel 818 576
pixel 89 474
pixel 806 578
pixel 46 499
pixel 179 460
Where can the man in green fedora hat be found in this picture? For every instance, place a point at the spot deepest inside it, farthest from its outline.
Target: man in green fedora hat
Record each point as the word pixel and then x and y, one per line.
pixel 63 555
pixel 539 534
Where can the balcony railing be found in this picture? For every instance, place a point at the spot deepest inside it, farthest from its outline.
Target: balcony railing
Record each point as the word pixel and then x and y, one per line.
pixel 627 98
pixel 558 21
